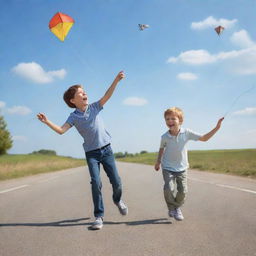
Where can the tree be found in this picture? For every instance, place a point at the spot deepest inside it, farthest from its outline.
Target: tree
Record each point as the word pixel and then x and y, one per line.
pixel 45 152
pixel 119 155
pixel 5 137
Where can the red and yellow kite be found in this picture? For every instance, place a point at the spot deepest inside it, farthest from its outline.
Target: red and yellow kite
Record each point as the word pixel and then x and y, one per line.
pixel 60 24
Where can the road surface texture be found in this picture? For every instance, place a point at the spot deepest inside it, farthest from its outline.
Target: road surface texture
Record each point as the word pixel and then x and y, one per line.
pixel 49 215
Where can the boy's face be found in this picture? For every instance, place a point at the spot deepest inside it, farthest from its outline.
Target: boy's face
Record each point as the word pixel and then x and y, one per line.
pixel 173 122
pixel 80 98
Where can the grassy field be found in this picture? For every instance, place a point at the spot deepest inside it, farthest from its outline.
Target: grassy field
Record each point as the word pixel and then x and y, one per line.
pixel 238 162
pixel 14 166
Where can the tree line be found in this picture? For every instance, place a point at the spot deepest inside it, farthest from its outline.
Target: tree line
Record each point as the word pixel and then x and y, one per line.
pixel 126 154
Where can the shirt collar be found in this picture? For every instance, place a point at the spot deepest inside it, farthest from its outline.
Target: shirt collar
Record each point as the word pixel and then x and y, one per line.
pixel 78 111
pixel 182 130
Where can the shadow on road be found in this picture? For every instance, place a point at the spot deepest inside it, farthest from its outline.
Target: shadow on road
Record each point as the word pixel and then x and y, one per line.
pixel 62 223
pixel 140 222
pixel 80 222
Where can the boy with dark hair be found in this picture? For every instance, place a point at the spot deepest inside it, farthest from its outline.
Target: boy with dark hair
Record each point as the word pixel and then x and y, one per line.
pixel 96 144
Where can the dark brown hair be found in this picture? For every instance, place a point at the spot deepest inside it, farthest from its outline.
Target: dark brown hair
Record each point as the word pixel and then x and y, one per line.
pixel 70 94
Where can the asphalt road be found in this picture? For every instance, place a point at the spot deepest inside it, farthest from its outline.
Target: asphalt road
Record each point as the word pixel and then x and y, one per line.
pixel 49 215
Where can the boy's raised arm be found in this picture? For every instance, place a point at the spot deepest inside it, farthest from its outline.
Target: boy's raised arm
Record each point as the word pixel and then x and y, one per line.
pixel 112 87
pixel 208 135
pixel 59 129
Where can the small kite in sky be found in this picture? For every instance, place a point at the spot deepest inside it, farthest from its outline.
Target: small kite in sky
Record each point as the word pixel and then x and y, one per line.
pixel 60 24
pixel 143 26
pixel 219 29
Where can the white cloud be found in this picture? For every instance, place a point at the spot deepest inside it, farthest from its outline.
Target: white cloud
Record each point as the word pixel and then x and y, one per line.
pixel 242 39
pixel 187 76
pixel 19 138
pixel 19 110
pixel 243 61
pixel 194 57
pixel 246 111
pixel 135 101
pixel 211 22
pixel 35 73
pixel 199 57
pixel 2 104
pixel 58 73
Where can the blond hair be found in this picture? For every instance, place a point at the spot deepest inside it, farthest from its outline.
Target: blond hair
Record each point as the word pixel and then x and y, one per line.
pixel 175 111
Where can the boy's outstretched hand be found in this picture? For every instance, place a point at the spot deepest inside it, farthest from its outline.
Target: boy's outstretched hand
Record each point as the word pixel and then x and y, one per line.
pixel 219 122
pixel 111 89
pixel 120 76
pixel 42 117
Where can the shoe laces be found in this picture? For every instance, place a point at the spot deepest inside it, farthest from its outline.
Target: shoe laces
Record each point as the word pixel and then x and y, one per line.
pixel 98 220
pixel 178 210
pixel 122 205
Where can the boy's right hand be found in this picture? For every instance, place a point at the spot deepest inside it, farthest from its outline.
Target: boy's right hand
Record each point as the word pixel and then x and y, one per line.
pixel 42 118
pixel 157 166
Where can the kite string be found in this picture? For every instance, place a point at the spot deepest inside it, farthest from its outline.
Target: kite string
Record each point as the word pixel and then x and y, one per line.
pixel 237 98
pixel 82 61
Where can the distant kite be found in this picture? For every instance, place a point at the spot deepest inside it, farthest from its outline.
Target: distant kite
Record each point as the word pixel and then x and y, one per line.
pixel 143 26
pixel 219 29
pixel 60 24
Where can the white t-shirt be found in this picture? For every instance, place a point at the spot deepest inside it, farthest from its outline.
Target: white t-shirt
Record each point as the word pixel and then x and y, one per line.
pixel 175 156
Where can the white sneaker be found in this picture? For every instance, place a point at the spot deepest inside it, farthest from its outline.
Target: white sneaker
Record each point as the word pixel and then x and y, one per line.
pixel 97 224
pixel 171 213
pixel 123 209
pixel 178 214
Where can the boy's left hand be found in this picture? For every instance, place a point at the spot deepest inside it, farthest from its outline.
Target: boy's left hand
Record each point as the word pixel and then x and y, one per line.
pixel 219 122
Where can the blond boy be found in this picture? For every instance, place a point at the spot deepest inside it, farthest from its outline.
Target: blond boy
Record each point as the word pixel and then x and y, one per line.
pixel 173 159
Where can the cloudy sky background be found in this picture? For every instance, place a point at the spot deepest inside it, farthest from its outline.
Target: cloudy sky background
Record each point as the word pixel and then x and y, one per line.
pixel 178 61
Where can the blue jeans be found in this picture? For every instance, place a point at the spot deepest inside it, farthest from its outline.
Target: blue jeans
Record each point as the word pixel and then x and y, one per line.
pixel 105 157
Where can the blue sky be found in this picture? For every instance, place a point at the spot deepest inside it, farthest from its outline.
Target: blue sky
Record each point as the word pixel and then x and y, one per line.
pixel 178 61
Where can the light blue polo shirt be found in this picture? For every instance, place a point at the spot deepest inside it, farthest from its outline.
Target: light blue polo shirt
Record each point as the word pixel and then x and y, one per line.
pixel 175 156
pixel 90 126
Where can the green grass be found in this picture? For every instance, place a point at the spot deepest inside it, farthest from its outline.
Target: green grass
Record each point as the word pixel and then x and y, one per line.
pixel 15 166
pixel 238 162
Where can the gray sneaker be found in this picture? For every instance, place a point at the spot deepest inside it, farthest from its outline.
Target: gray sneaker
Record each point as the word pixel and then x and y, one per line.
pixel 171 213
pixel 97 224
pixel 123 209
pixel 178 214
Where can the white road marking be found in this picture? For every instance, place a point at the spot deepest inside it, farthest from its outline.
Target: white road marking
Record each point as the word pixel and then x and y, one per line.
pixel 45 180
pixel 54 177
pixel 237 188
pixel 11 189
pixel 39 181
pixel 225 186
